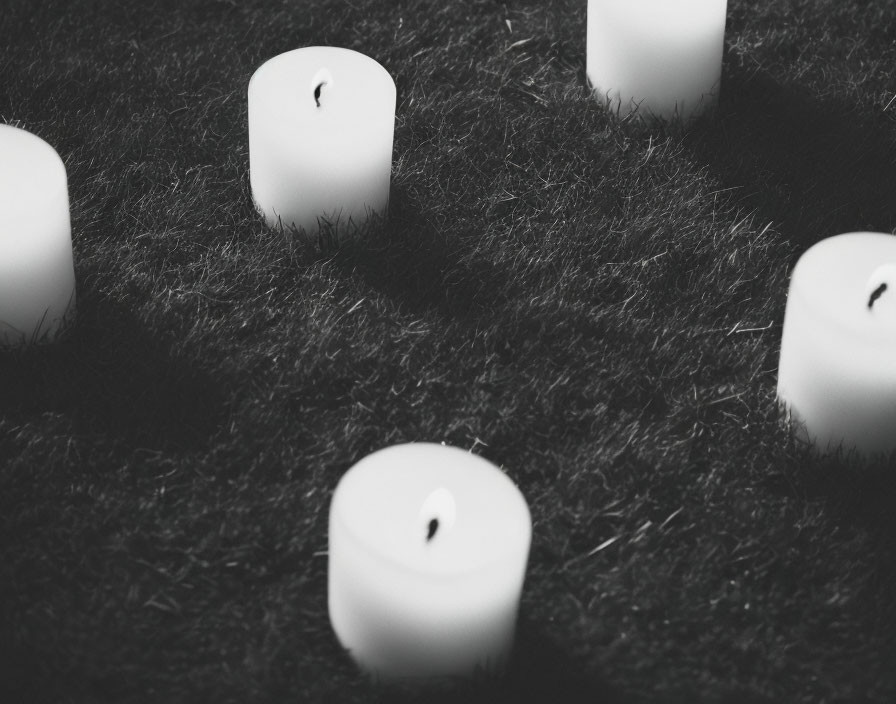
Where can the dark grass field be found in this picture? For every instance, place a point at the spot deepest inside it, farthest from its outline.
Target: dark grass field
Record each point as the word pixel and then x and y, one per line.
pixel 595 306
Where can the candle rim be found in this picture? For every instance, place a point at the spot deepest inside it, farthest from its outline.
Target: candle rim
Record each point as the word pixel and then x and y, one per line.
pixel 341 53
pixel 523 535
pixel 330 48
pixel 280 120
pixel 855 325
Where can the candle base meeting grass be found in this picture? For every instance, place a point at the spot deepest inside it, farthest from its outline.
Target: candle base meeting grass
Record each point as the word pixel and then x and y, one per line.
pixel 593 305
pixel 657 59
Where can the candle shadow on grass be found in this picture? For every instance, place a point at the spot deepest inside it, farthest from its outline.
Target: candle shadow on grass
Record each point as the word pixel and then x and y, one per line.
pixel 423 272
pixel 858 492
pixel 111 376
pixel 812 167
pixel 540 670
pixel 420 267
pixel 853 547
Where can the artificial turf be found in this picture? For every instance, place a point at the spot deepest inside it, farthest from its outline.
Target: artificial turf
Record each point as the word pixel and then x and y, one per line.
pixel 593 304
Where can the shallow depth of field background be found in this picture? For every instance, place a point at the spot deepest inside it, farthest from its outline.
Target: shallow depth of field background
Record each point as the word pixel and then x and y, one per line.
pixel 595 306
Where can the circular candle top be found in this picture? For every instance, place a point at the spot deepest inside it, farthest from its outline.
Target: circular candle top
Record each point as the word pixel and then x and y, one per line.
pixel 31 175
pixel 432 509
pixel 320 90
pixel 849 282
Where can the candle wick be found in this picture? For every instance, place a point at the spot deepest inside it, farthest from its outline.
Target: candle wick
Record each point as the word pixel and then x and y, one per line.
pixel 317 92
pixel 433 527
pixel 875 294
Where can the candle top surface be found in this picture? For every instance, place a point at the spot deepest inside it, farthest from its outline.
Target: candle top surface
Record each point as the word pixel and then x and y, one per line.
pixel 31 174
pixel 432 509
pixel 339 93
pixel 849 281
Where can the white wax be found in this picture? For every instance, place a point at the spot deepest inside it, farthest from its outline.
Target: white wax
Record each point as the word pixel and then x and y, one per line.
pixel 321 124
pixel 37 274
pixel 837 370
pixel 661 57
pixel 409 599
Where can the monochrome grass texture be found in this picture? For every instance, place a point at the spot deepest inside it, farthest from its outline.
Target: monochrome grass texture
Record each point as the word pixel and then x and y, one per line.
pixel 594 305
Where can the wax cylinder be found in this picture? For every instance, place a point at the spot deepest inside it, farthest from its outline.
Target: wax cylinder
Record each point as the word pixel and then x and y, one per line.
pixel 427 552
pixel 37 275
pixel 321 125
pixel 837 369
pixel 662 58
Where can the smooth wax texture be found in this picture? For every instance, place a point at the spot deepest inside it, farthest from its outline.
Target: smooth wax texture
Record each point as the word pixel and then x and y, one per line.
pixel 410 598
pixel 662 58
pixel 37 275
pixel 837 370
pixel 321 125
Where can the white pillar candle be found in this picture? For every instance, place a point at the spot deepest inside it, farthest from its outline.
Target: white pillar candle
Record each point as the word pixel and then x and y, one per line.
pixel 837 370
pixel 321 124
pixel 37 275
pixel 427 553
pixel 661 57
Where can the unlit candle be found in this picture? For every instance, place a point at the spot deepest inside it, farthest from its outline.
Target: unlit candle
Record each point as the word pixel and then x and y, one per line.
pixel 427 553
pixel 837 369
pixel 321 125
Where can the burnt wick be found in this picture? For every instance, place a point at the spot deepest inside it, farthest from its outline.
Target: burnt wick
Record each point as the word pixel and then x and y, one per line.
pixel 875 294
pixel 317 92
pixel 432 528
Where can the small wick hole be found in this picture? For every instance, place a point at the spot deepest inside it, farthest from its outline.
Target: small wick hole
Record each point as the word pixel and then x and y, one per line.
pixel 875 294
pixel 317 92
pixel 432 528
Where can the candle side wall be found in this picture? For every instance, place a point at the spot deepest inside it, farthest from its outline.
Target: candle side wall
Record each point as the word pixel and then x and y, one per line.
pixel 838 390
pixel 837 365
pixel 641 57
pixel 398 624
pixel 37 276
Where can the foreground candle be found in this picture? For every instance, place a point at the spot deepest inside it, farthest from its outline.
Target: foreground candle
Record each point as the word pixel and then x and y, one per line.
pixel 37 275
pixel 659 57
pixel 428 550
pixel 321 124
pixel 837 370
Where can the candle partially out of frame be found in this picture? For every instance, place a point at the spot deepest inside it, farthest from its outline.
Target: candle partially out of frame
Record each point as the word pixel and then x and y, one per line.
pixel 428 548
pixel 837 369
pixel 321 126
pixel 37 275
pixel 660 58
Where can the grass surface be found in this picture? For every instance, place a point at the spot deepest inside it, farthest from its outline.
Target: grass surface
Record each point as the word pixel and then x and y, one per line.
pixel 594 306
